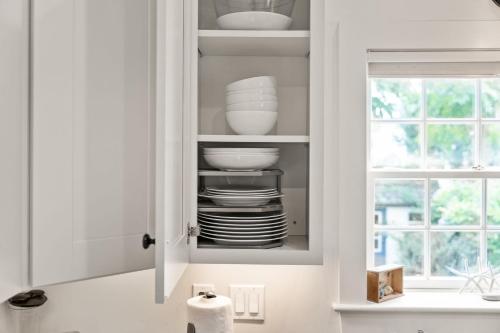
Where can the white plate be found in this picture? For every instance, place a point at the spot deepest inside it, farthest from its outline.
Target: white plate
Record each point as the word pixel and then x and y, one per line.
pixel 244 229
pixel 240 188
pixel 254 20
pixel 243 222
pixel 221 235
pixel 244 232
pixel 238 195
pixel 245 201
pixel 247 242
pixel 241 150
pixel 245 217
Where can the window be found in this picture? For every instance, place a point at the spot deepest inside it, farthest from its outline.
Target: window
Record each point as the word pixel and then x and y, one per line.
pixel 433 173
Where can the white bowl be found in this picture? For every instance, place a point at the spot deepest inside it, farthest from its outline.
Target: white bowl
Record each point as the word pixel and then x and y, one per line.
pixel 245 97
pixel 241 161
pixel 253 83
pixel 241 150
pixel 253 106
pixel 258 91
pixel 254 20
pixel 252 122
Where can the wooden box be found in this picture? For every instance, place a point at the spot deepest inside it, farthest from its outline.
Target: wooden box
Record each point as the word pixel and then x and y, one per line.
pixel 382 279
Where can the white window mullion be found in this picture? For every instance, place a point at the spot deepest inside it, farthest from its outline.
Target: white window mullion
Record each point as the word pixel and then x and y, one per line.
pixel 423 127
pixel 427 224
pixel 479 128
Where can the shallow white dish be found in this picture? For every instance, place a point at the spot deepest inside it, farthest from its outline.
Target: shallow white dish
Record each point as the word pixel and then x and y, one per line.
pixel 256 82
pixel 253 106
pixel 253 91
pixel 222 235
pixel 254 20
pixel 241 150
pixel 247 221
pixel 241 161
pixel 245 225
pixel 242 229
pixel 252 122
pixel 246 98
pixel 248 232
pixel 247 242
pixel 242 217
pixel 241 189
pixel 240 200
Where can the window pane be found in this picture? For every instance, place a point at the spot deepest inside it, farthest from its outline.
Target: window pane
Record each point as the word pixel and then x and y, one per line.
pixel 396 98
pixel 494 248
pixel 399 202
pixel 450 248
pixel 455 201
pixel 490 98
pixel 493 201
pixel 450 146
pixel 400 247
pixel 491 145
pixel 450 98
pixel 395 146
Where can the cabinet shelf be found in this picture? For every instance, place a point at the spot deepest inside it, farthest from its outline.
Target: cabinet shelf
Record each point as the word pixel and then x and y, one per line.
pixel 257 173
pixel 255 138
pixel 254 43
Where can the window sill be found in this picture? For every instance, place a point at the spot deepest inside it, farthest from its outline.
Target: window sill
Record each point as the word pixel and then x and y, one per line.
pixel 428 302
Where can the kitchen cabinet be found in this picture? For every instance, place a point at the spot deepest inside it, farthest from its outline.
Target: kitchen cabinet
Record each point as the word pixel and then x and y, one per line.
pixel 124 96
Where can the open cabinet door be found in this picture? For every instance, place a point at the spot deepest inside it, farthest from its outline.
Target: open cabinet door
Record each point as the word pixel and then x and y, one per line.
pixel 171 230
pixel 14 87
pixel 92 126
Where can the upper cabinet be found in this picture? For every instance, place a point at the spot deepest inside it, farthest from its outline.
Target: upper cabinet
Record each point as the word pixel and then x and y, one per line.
pixel 249 208
pixel 135 131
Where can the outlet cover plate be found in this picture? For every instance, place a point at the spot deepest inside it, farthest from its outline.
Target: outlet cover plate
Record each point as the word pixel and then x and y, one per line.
pixel 202 288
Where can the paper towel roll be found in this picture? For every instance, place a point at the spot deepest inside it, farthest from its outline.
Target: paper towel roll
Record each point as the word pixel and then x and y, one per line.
pixel 211 315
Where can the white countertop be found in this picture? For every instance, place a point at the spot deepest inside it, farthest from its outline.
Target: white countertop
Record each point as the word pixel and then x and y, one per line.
pixel 426 302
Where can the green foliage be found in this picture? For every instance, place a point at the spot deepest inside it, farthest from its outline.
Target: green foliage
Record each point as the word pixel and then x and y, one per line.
pixel 490 98
pixel 450 98
pixel 455 202
pixel 395 98
pixel 449 249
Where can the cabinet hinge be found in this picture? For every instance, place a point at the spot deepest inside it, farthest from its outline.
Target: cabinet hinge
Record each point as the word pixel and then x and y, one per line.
pixel 193 231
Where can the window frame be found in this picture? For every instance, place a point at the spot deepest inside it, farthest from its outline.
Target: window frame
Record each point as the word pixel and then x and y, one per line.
pixel 427 174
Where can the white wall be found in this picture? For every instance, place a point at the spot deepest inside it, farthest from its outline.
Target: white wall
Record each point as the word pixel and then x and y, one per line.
pixel 298 298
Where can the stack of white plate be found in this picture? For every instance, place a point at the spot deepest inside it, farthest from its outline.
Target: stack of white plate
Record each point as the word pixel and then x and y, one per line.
pixel 241 158
pixel 252 105
pixel 243 229
pixel 241 196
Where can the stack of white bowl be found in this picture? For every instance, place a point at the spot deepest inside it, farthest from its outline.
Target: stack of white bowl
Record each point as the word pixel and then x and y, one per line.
pixel 252 105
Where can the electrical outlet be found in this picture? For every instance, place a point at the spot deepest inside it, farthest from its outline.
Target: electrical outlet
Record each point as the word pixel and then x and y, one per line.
pixel 202 288
pixel 248 301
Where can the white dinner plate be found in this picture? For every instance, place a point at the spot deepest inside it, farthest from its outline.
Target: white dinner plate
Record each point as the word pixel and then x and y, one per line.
pixel 221 235
pixel 242 229
pixel 244 233
pixel 223 241
pixel 216 220
pixel 243 217
pixel 241 189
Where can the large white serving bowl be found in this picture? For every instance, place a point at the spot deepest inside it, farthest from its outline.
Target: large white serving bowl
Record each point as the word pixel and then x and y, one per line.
pixel 241 162
pixel 253 83
pixel 254 20
pixel 258 91
pixel 253 106
pixel 251 122
pixel 245 98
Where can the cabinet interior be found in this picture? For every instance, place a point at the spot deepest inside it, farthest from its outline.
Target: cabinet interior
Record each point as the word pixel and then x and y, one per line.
pixel 225 56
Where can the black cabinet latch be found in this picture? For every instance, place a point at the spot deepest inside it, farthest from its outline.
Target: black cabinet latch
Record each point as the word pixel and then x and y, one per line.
pixel 147 241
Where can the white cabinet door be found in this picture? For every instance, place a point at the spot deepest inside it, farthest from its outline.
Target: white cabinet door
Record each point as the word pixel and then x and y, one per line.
pixel 14 87
pixel 171 240
pixel 92 134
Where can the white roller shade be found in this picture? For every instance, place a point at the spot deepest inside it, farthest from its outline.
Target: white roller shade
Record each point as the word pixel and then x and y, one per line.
pixel 434 63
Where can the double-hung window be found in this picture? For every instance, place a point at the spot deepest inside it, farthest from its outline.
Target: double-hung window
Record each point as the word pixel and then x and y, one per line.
pixel 433 165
